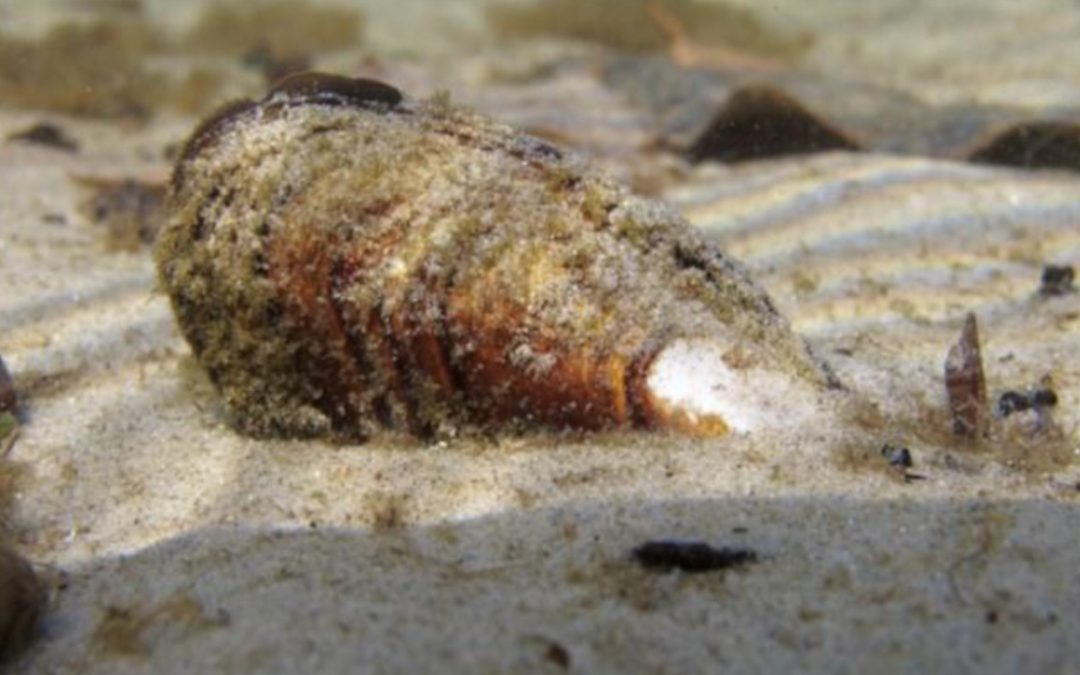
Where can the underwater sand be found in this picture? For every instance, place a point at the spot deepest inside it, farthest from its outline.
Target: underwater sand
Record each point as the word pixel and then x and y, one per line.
pixel 175 544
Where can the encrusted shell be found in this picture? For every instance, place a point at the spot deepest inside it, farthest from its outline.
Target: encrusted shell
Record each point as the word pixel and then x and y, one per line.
pixel 342 258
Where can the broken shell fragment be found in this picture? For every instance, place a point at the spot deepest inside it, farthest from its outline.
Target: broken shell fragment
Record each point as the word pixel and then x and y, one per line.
pixel 343 259
pixel 965 382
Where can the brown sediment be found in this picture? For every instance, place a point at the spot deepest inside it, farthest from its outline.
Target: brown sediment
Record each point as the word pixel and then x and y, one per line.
pixel 281 29
pixel 342 260
pixel 84 69
pixel 133 631
pixel 196 92
pixel 629 25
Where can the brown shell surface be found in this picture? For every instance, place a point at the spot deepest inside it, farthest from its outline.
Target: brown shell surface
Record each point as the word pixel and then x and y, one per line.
pixel 347 264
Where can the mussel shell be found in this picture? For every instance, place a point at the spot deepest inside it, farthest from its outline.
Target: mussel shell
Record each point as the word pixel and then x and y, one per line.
pixel 344 259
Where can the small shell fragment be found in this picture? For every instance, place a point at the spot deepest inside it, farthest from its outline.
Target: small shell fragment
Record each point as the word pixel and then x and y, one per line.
pixel 965 382
pixel 343 259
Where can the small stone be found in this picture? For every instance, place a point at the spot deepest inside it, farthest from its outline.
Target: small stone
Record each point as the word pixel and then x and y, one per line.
pixel 1057 280
pixel 1012 401
pixel 46 134
pixel 1043 398
pixel 897 457
pixel 691 556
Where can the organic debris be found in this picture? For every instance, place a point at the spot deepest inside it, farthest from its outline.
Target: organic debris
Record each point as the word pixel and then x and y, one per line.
pixel 666 555
pixel 197 92
pixel 47 134
pixel 1057 280
pixel 965 383
pixel 129 209
pixel 759 122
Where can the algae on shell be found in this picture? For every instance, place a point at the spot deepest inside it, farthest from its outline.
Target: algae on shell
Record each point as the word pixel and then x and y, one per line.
pixel 342 260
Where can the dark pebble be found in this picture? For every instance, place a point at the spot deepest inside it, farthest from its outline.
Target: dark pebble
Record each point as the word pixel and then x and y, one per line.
pixel 691 556
pixel 1044 398
pixel 897 456
pixel 1057 280
pixel 1012 401
pixel 47 134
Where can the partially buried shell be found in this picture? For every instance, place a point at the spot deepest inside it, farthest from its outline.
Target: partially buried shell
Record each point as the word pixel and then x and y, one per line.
pixel 343 259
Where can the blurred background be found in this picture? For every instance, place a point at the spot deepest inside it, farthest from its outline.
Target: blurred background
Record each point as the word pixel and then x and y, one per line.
pixel 130 57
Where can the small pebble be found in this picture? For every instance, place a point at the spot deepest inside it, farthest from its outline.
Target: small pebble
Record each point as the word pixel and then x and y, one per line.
pixel 1043 398
pixel 898 457
pixel 47 134
pixel 1012 401
pixel 1057 280
pixel 691 556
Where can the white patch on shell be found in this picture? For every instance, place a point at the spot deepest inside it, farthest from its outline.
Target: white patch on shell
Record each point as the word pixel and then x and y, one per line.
pixel 693 377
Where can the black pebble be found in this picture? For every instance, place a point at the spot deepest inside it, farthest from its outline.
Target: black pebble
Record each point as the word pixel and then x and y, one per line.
pixel 1043 398
pixel 690 556
pixel 1049 144
pixel 898 457
pixel 1057 280
pixel 1012 401
pixel 47 134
